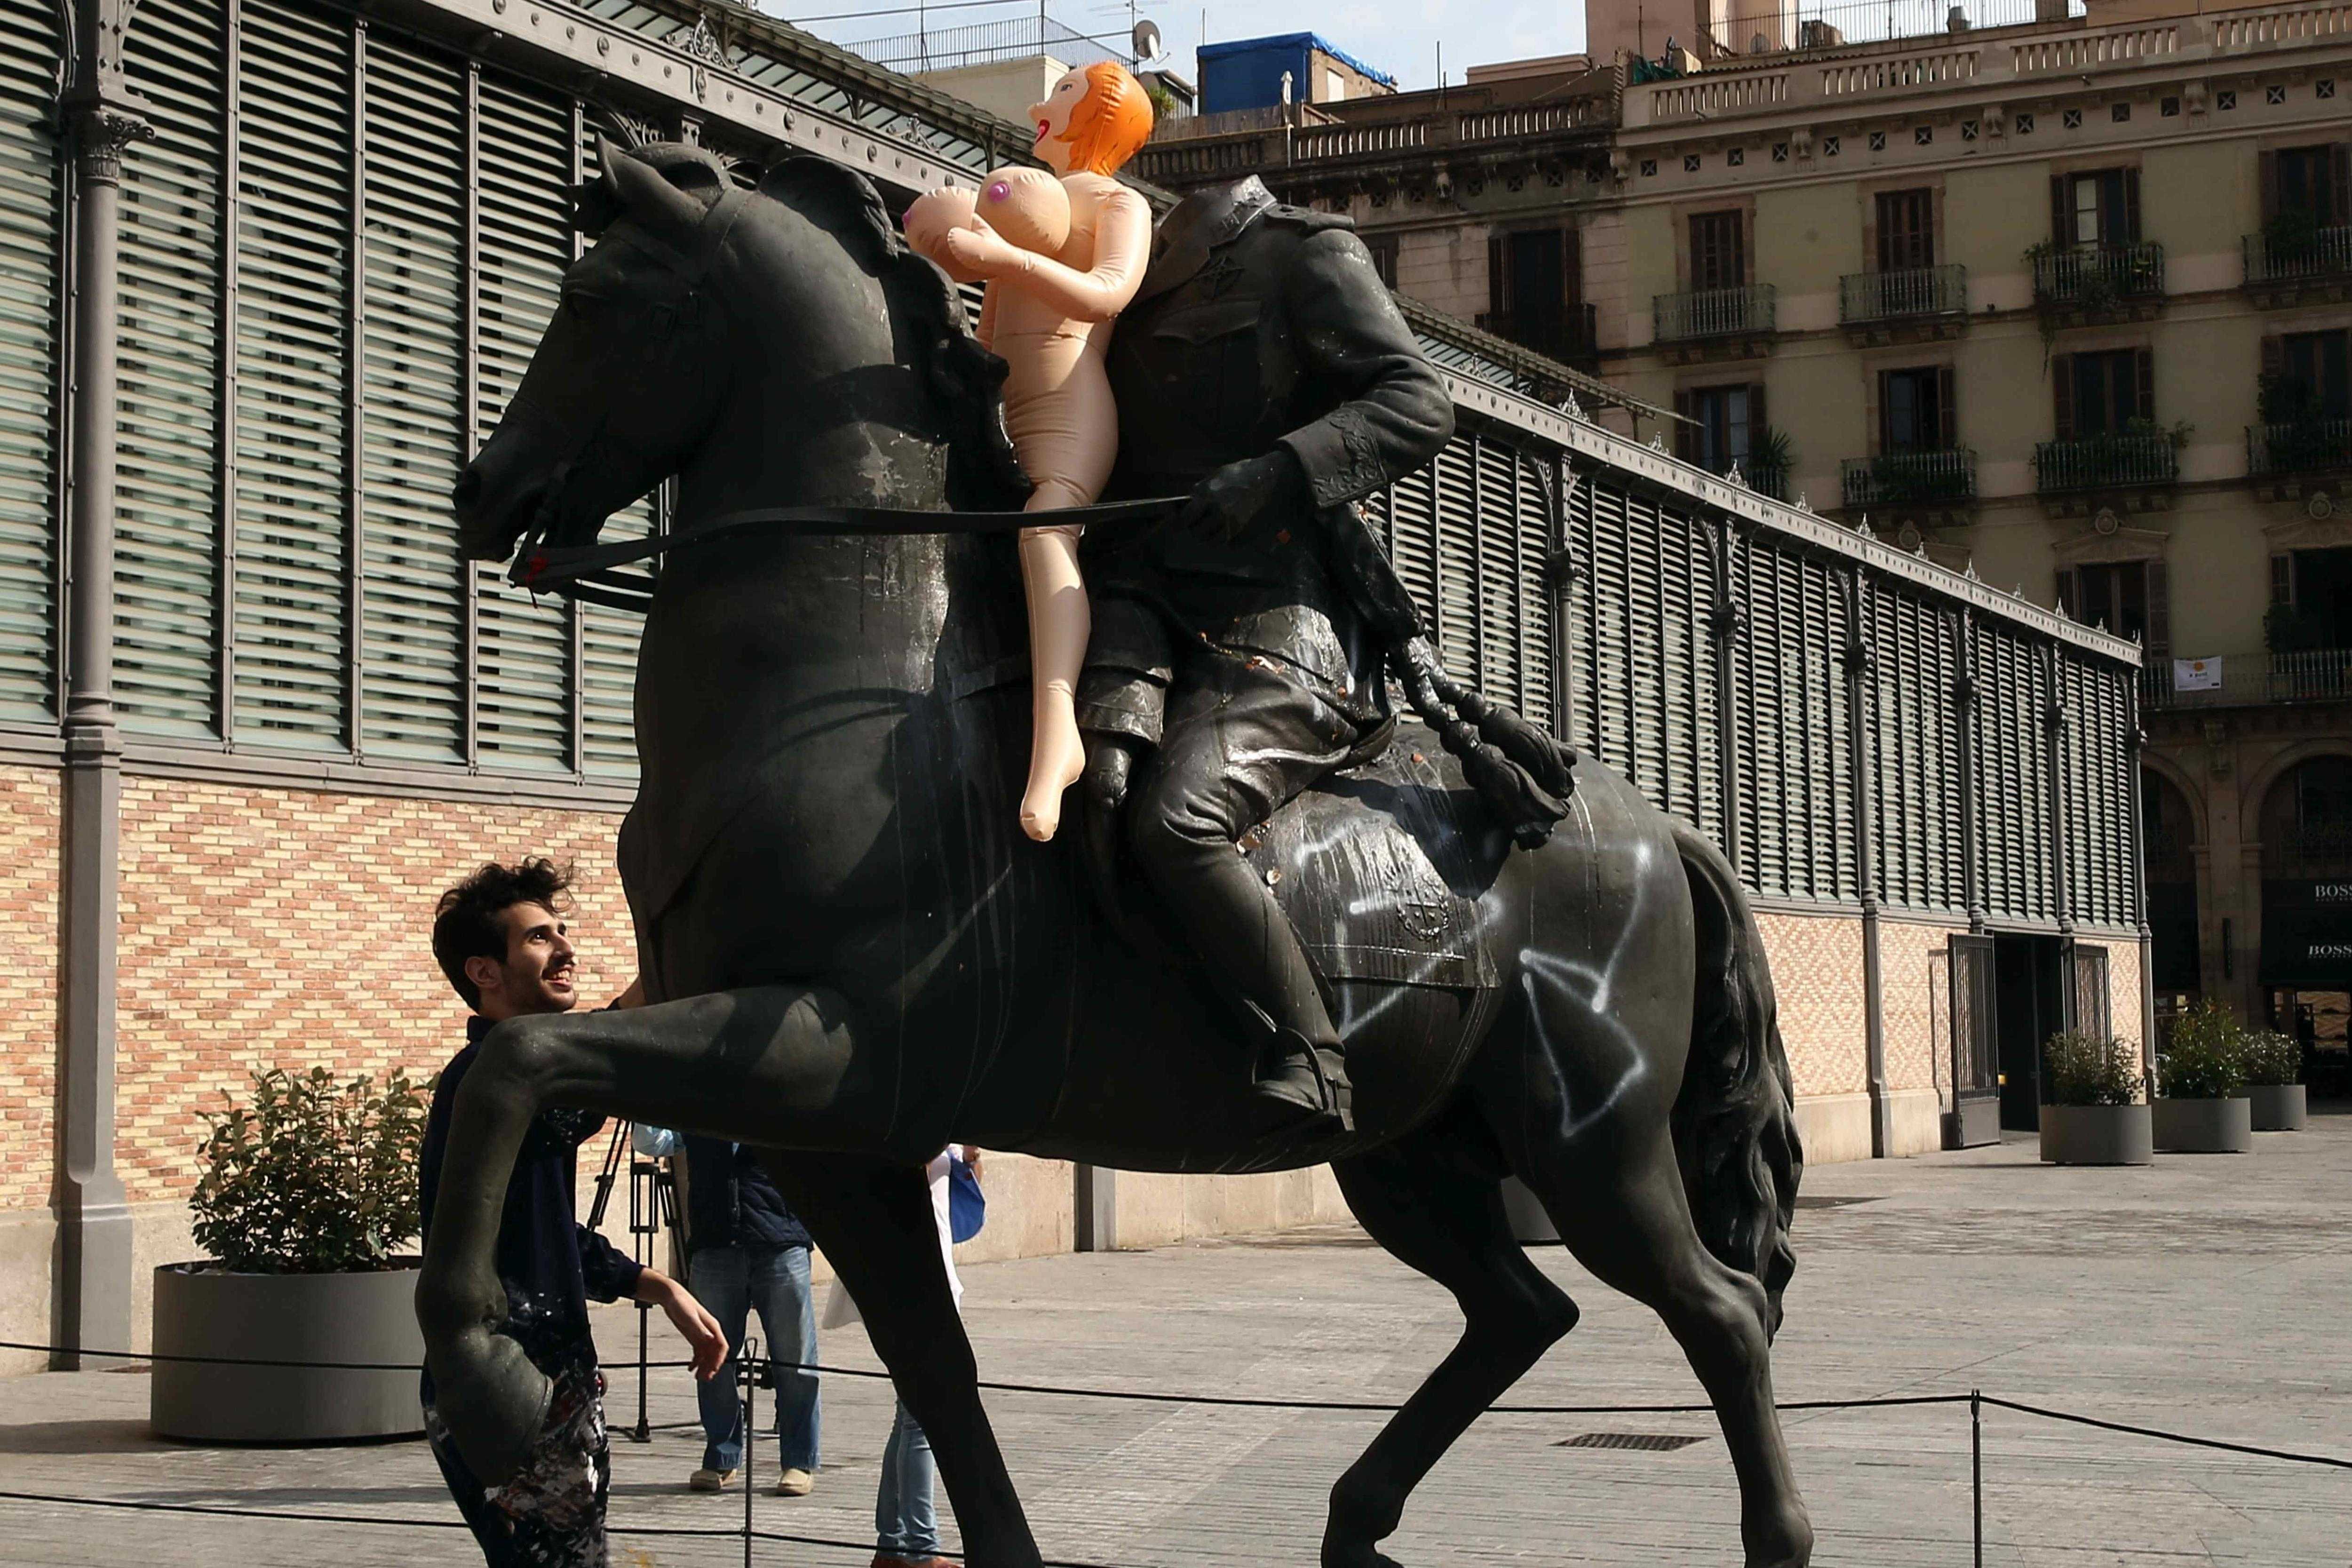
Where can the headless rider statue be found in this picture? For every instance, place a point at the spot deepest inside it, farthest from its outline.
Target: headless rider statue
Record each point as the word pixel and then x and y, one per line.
pixel 1264 371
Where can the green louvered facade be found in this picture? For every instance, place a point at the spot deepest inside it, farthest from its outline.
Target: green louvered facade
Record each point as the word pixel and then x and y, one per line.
pixel 339 252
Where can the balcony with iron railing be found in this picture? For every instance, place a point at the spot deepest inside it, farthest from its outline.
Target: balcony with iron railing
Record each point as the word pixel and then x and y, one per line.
pixel 2098 280
pixel 2118 459
pixel 1904 294
pixel 2289 253
pixel 2248 680
pixel 1896 479
pixel 1703 313
pixel 2299 447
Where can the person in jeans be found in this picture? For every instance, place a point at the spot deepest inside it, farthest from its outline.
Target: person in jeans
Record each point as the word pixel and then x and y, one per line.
pixel 746 1249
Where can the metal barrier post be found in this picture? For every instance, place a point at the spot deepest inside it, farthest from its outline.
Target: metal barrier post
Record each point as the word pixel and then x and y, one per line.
pixel 743 1359
pixel 1975 1465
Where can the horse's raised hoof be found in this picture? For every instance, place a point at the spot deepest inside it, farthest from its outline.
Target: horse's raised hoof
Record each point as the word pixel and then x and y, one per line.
pixel 1782 1539
pixel 1355 1553
pixel 491 1398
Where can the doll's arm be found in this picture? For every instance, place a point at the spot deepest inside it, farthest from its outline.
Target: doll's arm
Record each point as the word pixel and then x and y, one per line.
pixel 1122 245
pixel 986 331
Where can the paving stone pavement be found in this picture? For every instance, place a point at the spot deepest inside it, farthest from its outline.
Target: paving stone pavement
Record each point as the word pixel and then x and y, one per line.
pixel 2205 1294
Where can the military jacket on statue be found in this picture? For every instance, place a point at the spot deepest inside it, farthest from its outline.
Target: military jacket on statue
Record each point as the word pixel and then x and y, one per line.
pixel 1260 326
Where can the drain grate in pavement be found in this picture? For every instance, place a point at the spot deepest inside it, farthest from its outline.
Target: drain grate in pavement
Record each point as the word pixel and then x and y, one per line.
pixel 1643 1442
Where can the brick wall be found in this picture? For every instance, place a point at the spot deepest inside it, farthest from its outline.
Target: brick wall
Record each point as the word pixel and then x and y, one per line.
pixel 285 928
pixel 28 984
pixel 1817 973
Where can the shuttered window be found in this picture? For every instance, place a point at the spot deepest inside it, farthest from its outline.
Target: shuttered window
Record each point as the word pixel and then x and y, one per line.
pixel 523 686
pixel 30 208
pixel 413 601
pixel 1916 752
pixel 1498 588
pixel 288 596
pixel 1457 624
pixel 2014 804
pixel 167 479
pixel 1605 635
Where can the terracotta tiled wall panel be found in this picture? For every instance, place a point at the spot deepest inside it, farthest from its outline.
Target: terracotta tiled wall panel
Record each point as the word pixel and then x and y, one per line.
pixel 1916 965
pixel 285 928
pixel 28 984
pixel 1817 973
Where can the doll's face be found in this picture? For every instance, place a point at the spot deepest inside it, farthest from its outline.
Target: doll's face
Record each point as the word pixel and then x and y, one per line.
pixel 1052 119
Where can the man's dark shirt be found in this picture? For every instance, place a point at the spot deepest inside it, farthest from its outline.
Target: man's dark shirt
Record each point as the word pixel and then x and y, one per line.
pixel 550 1264
pixel 730 1202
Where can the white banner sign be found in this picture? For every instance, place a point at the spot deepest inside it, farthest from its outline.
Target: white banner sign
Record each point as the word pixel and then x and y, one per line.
pixel 2197 675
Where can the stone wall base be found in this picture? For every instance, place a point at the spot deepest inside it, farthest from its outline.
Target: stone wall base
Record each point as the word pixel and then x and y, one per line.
pixel 1836 1127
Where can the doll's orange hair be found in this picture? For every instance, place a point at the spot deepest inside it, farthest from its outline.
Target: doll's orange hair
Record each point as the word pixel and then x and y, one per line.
pixel 1111 121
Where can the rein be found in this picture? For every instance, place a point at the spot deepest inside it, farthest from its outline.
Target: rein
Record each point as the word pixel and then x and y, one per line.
pixel 592 572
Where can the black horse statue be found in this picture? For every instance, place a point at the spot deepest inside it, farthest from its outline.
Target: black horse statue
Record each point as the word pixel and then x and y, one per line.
pixel 852 956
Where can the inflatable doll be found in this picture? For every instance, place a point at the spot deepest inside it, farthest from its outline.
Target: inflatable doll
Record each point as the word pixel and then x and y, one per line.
pixel 1062 253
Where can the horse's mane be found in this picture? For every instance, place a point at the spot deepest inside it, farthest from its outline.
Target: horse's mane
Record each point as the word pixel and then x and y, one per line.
pixel 967 381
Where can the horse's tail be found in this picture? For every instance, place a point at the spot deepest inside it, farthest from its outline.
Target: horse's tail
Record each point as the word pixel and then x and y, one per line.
pixel 1734 1120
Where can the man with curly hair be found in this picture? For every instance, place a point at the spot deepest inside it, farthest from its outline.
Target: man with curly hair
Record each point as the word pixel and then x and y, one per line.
pixel 500 936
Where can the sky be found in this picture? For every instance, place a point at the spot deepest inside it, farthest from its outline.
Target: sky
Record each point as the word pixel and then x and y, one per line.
pixel 1400 37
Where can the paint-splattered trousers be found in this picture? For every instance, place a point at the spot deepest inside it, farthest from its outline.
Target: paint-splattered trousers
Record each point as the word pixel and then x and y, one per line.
pixel 552 1513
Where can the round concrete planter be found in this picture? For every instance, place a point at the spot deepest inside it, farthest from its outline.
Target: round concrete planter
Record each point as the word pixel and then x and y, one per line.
pixel 2096 1136
pixel 2279 1107
pixel 203 1311
pixel 1529 1223
pixel 2205 1126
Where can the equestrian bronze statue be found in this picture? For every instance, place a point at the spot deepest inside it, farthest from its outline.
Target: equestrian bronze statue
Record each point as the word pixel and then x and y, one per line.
pixel 1451 952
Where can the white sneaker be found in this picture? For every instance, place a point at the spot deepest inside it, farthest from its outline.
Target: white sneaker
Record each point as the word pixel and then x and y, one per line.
pixel 709 1481
pixel 795 1483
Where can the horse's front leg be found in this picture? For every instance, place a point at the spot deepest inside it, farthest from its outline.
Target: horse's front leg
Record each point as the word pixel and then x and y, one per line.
pixel 775 1066
pixel 874 1221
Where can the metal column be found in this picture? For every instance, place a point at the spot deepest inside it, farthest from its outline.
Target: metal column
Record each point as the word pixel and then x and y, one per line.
pixel 92 1297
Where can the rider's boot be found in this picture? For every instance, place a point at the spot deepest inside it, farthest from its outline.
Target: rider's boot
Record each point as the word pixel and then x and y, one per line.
pixel 1302 1077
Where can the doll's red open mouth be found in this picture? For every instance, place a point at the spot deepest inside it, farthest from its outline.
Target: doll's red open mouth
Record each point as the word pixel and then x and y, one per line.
pixel 1042 128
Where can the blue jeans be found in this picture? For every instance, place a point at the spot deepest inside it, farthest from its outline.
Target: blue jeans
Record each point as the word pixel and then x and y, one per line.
pixel 905 1523
pixel 730 1282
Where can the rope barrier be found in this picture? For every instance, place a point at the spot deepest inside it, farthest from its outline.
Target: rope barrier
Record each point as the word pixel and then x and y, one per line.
pixel 2160 1434
pixel 751 1368
pixel 764 1365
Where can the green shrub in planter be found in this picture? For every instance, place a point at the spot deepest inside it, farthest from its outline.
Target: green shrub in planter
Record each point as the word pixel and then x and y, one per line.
pixel 2205 1056
pixel 2271 1059
pixel 302 1328
pixel 313 1177
pixel 2084 1070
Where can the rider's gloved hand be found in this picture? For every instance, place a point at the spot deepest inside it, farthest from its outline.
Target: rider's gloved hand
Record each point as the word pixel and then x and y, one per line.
pixel 1225 504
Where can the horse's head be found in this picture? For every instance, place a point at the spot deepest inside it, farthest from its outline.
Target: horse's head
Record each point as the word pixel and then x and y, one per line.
pixel 632 367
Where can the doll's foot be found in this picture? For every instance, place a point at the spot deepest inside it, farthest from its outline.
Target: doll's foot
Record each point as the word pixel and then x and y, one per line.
pixel 1057 762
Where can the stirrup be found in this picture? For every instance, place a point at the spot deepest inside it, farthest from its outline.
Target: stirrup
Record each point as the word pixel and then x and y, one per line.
pixel 1321 1093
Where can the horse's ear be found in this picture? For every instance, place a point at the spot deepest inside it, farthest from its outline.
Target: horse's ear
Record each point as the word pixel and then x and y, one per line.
pixel 643 194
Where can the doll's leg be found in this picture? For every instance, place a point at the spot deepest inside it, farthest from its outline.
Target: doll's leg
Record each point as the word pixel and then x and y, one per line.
pixel 1058 628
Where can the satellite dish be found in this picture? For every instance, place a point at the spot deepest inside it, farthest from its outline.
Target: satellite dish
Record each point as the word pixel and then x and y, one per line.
pixel 1146 40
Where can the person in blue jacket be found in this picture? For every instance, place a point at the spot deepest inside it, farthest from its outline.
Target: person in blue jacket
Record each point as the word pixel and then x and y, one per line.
pixel 746 1249
pixel 501 937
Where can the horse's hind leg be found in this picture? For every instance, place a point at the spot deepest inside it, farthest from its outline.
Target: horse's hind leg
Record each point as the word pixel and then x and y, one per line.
pixel 775 1065
pixel 1421 1199
pixel 1619 1203
pixel 876 1223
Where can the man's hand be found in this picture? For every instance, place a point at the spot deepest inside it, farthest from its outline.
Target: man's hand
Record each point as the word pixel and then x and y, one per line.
pixel 704 1342
pixel 1227 503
